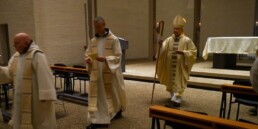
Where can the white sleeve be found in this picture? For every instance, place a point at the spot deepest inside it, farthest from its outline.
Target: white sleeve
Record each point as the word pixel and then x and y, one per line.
pixel 44 77
pixel 114 61
pixel 5 74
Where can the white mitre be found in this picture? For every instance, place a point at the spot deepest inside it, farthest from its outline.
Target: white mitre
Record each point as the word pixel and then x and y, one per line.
pixel 179 21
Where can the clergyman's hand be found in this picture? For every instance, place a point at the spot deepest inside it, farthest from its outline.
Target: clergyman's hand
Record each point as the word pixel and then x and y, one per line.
pixel 101 59
pixel 88 61
pixel 160 42
pixel 179 52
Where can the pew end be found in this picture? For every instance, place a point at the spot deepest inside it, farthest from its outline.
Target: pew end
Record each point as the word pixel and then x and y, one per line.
pixel 195 120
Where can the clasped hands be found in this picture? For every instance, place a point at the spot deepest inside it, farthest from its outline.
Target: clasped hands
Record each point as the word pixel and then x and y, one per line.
pixel 100 59
pixel 176 52
pixel 179 52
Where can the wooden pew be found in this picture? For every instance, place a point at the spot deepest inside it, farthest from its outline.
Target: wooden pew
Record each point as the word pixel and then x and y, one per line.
pixel 239 89
pixel 68 83
pixel 193 119
pixel 70 69
pixel 233 89
pixel 68 92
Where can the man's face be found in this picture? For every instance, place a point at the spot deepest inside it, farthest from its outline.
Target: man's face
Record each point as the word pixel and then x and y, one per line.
pixel 178 31
pixel 20 45
pixel 99 27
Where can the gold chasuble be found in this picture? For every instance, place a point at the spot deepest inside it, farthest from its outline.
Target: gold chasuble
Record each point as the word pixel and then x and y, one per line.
pixel 174 69
pixel 107 94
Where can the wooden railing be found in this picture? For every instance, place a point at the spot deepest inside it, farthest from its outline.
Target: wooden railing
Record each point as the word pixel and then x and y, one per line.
pixel 193 119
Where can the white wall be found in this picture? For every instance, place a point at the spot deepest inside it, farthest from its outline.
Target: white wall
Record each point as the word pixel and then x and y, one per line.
pixel 128 19
pixel 58 26
pixel 226 18
pixel 168 9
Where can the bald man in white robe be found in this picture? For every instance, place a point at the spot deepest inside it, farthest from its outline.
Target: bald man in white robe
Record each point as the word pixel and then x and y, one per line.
pixel 34 91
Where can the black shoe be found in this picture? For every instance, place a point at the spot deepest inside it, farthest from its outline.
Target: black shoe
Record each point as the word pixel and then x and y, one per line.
pixel 118 115
pixel 175 104
pixel 171 105
pixel 253 111
pixel 95 126
pixel 91 126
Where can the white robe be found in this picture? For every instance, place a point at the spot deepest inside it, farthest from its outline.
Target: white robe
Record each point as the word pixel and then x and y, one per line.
pixel 43 91
pixel 184 62
pixel 102 116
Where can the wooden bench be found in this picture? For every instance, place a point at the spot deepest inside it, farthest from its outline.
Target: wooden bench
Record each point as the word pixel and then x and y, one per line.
pixel 193 119
pixel 68 89
pixel 83 99
pixel 193 82
pixel 239 89
pixel 233 89
pixel 70 69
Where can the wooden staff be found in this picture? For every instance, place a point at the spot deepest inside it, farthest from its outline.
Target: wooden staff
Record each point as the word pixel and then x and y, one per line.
pixel 159 31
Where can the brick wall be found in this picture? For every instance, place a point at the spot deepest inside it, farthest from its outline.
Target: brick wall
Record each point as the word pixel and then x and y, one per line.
pixel 60 30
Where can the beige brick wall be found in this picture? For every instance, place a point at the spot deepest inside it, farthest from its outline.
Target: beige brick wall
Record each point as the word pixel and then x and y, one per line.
pixel 18 14
pixel 60 30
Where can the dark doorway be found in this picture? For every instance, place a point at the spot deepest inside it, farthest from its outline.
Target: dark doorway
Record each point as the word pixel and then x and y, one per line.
pixel 256 19
pixel 90 8
pixel 197 24
pixel 4 44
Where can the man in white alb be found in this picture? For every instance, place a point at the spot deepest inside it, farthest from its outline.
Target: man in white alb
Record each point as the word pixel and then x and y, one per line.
pixel 34 90
pixel 107 98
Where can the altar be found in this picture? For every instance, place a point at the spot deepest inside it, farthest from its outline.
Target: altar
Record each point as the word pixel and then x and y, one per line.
pixel 225 50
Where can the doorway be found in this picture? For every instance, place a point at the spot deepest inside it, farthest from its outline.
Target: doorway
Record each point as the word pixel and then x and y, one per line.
pixel 256 19
pixel 4 44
